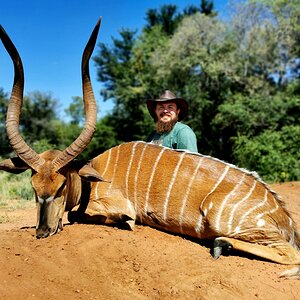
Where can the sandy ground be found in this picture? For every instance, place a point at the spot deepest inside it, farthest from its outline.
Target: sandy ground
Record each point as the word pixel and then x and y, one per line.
pixel 99 262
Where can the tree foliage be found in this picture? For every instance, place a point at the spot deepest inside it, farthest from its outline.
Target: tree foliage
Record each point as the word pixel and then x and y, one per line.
pixel 38 114
pixel 4 145
pixel 76 111
pixel 240 76
pixel 273 154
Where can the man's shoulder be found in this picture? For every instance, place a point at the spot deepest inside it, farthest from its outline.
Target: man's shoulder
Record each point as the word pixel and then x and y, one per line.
pixel 181 126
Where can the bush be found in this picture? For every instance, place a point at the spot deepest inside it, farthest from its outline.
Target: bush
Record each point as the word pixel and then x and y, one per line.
pixel 15 187
pixel 274 155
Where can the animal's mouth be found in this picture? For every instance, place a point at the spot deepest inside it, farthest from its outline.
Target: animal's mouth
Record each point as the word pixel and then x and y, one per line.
pixel 47 232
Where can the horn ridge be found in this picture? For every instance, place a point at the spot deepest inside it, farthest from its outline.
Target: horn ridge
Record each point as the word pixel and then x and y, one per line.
pixel 22 149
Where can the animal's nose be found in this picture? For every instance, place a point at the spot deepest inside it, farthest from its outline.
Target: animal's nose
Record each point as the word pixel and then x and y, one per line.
pixel 42 232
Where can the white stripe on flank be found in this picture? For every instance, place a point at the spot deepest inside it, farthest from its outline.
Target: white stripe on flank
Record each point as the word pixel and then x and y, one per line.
pixel 187 194
pixel 137 176
pixel 96 190
pixel 151 178
pixel 199 223
pixel 128 169
pixel 253 209
pixel 237 205
pixel 107 162
pixel 103 173
pixel 171 185
pixel 115 166
pixel 259 216
pixel 228 196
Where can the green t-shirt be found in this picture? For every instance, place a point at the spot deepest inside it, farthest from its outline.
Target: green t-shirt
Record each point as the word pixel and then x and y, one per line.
pixel 180 137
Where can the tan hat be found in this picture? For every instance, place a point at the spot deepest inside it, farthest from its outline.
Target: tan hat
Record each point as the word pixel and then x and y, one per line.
pixel 168 96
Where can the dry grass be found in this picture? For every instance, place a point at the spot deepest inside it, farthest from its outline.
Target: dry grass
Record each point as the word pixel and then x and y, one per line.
pixel 15 193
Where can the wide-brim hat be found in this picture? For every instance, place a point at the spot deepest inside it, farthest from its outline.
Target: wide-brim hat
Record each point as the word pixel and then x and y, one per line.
pixel 165 97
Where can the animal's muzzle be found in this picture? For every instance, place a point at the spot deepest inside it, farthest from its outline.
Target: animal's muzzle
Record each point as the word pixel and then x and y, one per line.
pixel 45 231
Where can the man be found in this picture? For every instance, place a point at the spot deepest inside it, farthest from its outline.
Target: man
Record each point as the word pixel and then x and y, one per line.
pixel 167 112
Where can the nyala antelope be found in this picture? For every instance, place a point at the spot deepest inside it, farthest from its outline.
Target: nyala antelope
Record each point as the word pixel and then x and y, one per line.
pixel 177 191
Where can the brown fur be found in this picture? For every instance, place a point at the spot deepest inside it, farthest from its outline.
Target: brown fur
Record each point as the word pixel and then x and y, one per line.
pixel 129 168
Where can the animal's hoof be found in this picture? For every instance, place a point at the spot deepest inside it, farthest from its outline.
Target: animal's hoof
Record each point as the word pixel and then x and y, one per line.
pixel 220 246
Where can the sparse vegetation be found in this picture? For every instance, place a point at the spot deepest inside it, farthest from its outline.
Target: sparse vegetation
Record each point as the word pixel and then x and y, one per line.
pixel 16 193
pixel 4 218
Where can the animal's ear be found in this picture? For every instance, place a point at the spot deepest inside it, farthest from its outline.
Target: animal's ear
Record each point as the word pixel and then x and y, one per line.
pixel 14 165
pixel 88 173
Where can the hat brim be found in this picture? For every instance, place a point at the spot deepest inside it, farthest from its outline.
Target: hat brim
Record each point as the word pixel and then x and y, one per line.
pixel 180 102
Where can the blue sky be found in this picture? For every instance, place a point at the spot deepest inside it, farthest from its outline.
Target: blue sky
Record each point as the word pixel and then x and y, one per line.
pixel 51 35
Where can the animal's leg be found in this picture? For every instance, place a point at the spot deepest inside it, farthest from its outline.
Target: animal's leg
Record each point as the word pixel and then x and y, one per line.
pixel 281 252
pixel 112 209
pixel 76 212
pixel 291 274
pixel 73 215
pixel 219 246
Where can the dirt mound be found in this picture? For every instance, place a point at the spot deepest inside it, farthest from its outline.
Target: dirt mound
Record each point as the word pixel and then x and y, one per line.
pixel 99 262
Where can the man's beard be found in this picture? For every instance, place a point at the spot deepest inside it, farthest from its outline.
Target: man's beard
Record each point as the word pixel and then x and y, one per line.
pixel 163 127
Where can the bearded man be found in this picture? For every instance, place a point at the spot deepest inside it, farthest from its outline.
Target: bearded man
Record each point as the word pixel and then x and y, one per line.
pixel 167 112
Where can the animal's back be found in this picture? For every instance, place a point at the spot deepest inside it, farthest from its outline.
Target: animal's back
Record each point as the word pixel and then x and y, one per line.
pixel 194 194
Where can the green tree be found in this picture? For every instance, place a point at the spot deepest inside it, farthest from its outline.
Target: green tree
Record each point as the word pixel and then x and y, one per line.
pixel 38 116
pixel 76 111
pixel 207 8
pixel 128 74
pixel 104 138
pixel 117 71
pixel 273 154
pixel 286 15
pixel 167 17
pixel 4 145
pixel 238 75
pixel 242 114
pixel 196 62
pixel 113 65
pixel 66 133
